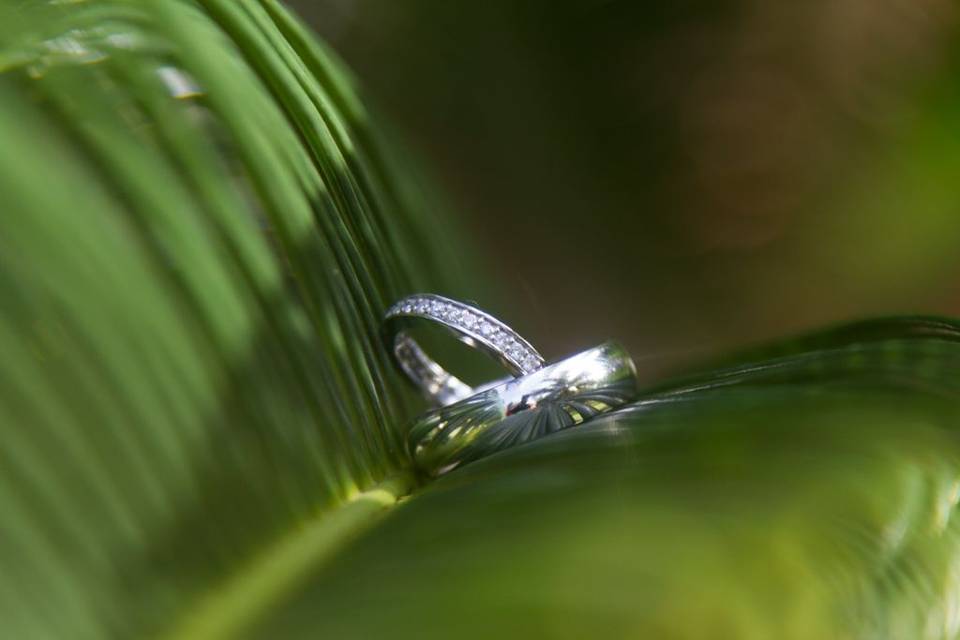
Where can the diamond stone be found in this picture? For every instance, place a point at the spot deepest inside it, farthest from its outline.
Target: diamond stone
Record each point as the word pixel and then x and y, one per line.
pixel 469 320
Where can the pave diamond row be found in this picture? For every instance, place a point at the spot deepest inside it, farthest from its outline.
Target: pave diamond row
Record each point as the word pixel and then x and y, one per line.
pixel 478 325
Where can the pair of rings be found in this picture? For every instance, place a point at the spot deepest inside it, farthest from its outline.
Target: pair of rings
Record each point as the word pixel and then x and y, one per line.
pixel 537 399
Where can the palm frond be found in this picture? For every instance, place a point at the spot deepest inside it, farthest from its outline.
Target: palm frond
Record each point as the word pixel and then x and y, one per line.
pixel 192 288
pixel 811 496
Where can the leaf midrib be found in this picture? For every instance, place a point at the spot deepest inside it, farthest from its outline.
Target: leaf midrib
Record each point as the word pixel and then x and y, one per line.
pixel 236 604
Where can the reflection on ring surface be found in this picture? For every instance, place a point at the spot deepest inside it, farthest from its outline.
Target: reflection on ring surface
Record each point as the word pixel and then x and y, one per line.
pixel 560 395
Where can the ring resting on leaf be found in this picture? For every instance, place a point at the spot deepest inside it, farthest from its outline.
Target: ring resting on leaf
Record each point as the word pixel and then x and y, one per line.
pixel 560 395
pixel 472 423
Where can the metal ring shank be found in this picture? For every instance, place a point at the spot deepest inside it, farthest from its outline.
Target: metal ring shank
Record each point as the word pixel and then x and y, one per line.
pixel 469 325
pixel 558 396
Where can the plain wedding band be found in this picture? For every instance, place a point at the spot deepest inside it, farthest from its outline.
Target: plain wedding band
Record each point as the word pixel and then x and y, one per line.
pixel 558 396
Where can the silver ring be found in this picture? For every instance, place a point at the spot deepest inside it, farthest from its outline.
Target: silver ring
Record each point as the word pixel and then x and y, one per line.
pixel 469 325
pixel 561 395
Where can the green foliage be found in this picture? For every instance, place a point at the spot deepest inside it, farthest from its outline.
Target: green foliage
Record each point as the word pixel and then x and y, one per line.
pixel 809 495
pixel 202 437
pixel 191 295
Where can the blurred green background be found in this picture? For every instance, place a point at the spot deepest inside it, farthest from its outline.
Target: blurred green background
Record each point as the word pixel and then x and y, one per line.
pixel 684 176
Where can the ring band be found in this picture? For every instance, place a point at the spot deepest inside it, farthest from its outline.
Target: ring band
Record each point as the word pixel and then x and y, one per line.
pixel 555 397
pixel 469 325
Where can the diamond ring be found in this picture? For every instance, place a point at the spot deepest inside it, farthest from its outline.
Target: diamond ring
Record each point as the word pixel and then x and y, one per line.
pixel 469 325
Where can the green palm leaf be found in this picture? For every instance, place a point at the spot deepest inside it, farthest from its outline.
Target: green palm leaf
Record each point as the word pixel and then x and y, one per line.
pixel 808 496
pixel 193 289
pixel 203 438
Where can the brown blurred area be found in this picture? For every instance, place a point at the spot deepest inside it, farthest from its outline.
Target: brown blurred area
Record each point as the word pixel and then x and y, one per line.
pixel 683 176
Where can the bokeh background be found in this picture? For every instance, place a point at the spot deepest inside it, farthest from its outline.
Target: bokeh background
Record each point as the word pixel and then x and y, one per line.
pixel 685 176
